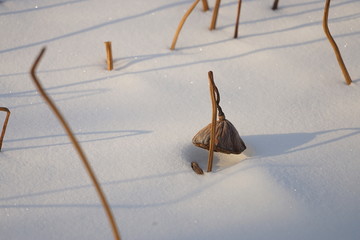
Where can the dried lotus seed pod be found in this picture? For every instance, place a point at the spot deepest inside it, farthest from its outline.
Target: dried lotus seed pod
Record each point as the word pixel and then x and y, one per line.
pixel 197 168
pixel 227 138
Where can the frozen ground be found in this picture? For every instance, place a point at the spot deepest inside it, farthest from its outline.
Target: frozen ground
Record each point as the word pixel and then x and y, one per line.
pixel 280 86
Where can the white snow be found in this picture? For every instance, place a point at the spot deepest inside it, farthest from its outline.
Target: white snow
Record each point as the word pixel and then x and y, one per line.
pixel 280 86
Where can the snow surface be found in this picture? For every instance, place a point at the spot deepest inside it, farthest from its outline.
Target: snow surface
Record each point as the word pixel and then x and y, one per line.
pixel 280 86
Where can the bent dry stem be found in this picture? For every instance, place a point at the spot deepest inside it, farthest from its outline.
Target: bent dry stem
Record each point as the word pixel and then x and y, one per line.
pixel 181 24
pixel 4 109
pixel 77 147
pixel 333 44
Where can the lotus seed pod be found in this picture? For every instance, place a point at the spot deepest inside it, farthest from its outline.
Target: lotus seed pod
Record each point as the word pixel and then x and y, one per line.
pixel 227 138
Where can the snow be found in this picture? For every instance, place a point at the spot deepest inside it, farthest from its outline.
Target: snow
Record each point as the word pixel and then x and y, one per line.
pixel 280 86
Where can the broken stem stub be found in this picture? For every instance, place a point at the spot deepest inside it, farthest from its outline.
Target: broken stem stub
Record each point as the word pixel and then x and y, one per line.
pixel 4 109
pixel 205 5
pixel 275 5
pixel 109 57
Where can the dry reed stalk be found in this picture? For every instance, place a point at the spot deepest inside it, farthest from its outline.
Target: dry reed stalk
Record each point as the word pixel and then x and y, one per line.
pixel 237 19
pixel 215 15
pixel 275 5
pixel 205 5
pixel 181 24
pixel 4 109
pixel 77 147
pixel 333 44
pixel 213 121
pixel 109 58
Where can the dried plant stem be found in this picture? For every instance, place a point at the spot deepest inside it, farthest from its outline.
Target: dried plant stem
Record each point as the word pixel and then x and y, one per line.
pixel 275 5
pixel 213 121
pixel 4 109
pixel 181 24
pixel 77 147
pixel 205 5
pixel 109 58
pixel 333 44
pixel 237 19
pixel 215 15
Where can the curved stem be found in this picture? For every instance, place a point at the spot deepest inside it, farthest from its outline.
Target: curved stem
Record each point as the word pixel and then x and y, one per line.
pixel 333 44
pixel 4 109
pixel 181 24
pixel 213 121
pixel 215 15
pixel 77 147
pixel 237 19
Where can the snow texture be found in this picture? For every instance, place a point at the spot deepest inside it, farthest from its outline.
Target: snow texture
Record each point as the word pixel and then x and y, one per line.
pixel 280 86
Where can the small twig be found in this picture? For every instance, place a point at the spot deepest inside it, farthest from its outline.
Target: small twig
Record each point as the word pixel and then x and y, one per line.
pixel 275 5
pixel 215 15
pixel 181 24
pixel 237 19
pixel 333 44
pixel 109 58
pixel 205 5
pixel 4 109
pixel 77 147
pixel 213 121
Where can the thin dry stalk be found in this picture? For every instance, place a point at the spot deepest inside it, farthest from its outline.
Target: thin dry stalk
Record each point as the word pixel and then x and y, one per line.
pixel 4 109
pixel 333 44
pixel 213 121
pixel 205 5
pixel 77 147
pixel 275 5
pixel 237 19
pixel 109 58
pixel 215 15
pixel 181 24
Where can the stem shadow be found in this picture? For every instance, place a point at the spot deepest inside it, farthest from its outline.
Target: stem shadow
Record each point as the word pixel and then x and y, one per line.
pixel 84 137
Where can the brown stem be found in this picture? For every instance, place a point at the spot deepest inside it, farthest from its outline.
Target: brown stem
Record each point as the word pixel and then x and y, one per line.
pixel 4 109
pixel 181 24
pixel 213 121
pixel 237 19
pixel 77 147
pixel 109 58
pixel 333 44
pixel 215 15
pixel 205 5
pixel 275 5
